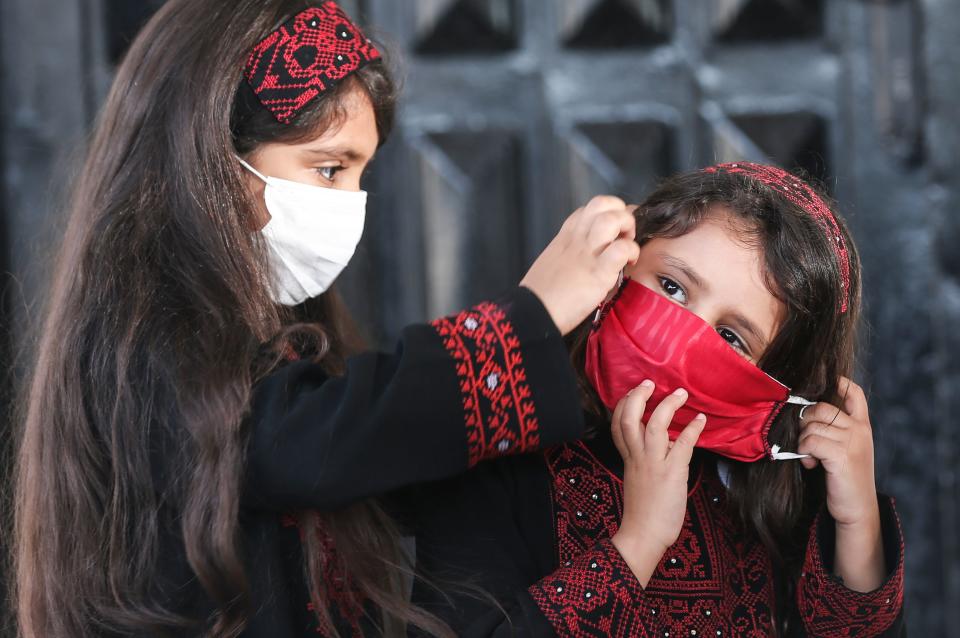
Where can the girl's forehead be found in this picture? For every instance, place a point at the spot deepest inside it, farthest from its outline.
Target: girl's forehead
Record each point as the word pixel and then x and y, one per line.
pixel 716 236
pixel 356 127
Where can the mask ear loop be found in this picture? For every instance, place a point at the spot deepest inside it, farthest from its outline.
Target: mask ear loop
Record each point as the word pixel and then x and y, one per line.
pixel 603 305
pixel 596 316
pixel 775 453
pixel 252 169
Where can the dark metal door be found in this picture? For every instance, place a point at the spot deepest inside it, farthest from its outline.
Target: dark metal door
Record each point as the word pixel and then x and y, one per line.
pixel 516 111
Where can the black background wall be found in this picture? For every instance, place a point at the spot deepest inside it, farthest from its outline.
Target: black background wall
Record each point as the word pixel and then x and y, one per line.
pixel 516 110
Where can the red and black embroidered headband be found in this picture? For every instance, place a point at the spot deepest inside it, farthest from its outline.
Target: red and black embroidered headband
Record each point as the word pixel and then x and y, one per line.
pixel 802 194
pixel 307 55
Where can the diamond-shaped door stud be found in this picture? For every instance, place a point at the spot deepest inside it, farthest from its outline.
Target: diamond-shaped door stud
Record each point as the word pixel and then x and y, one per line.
pixel 791 140
pixel 614 24
pixel 620 158
pixel 472 206
pixel 465 26
pixel 737 21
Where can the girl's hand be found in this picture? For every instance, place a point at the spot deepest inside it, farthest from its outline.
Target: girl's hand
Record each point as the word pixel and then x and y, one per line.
pixel 581 265
pixel 654 477
pixel 841 440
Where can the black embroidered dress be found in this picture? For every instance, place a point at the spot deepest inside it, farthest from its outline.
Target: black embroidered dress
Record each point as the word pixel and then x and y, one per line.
pixel 534 532
pixel 490 381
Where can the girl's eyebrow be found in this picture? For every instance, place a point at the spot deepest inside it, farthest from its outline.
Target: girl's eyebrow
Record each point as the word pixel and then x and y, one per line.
pixel 683 267
pixel 748 326
pixel 343 152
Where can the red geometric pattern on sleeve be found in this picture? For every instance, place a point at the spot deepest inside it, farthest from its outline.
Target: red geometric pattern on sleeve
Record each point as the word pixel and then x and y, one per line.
pixel 308 54
pixel 499 413
pixel 831 610
pixel 594 595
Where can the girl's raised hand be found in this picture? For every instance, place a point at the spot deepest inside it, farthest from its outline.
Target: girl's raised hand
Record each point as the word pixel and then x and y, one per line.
pixel 655 477
pixel 841 440
pixel 581 265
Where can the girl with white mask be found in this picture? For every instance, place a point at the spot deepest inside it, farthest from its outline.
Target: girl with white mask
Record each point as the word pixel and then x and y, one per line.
pixel 201 439
pixel 311 236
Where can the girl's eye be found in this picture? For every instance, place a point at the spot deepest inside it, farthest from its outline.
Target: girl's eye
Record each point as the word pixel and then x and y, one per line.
pixel 673 290
pixel 329 172
pixel 731 337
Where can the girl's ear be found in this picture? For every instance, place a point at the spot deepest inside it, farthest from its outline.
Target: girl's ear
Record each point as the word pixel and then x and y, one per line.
pixel 255 188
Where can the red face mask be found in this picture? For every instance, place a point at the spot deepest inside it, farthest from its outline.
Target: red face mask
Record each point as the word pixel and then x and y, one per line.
pixel 643 335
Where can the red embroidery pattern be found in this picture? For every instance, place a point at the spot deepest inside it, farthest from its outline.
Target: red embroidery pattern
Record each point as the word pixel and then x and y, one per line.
pixel 589 500
pixel 594 595
pixel 344 602
pixel 830 609
pixel 498 408
pixel 714 581
pixel 308 54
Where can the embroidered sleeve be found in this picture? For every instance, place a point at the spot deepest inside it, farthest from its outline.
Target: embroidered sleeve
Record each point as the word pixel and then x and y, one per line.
pixel 828 608
pixel 498 406
pixel 595 594
pixel 489 381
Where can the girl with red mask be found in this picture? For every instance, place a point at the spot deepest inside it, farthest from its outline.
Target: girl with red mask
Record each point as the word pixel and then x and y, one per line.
pixel 728 488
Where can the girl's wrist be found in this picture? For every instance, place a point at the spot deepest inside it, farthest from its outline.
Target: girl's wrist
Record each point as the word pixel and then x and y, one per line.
pixel 858 557
pixel 861 533
pixel 640 554
pixel 864 524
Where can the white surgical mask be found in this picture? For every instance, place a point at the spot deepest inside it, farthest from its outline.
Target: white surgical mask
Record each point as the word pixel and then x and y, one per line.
pixel 311 236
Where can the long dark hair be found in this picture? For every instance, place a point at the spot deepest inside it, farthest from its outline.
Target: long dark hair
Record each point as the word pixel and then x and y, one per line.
pixel 153 339
pixel 814 346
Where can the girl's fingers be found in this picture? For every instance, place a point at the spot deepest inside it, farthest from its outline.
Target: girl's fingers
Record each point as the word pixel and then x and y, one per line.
pixel 631 418
pixel 825 430
pixel 821 448
pixel 809 462
pixel 854 400
pixel 655 441
pixel 682 449
pixel 635 404
pixel 582 220
pixel 826 413
pixel 617 255
pixel 609 226
pixel 616 430
pixel 601 204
